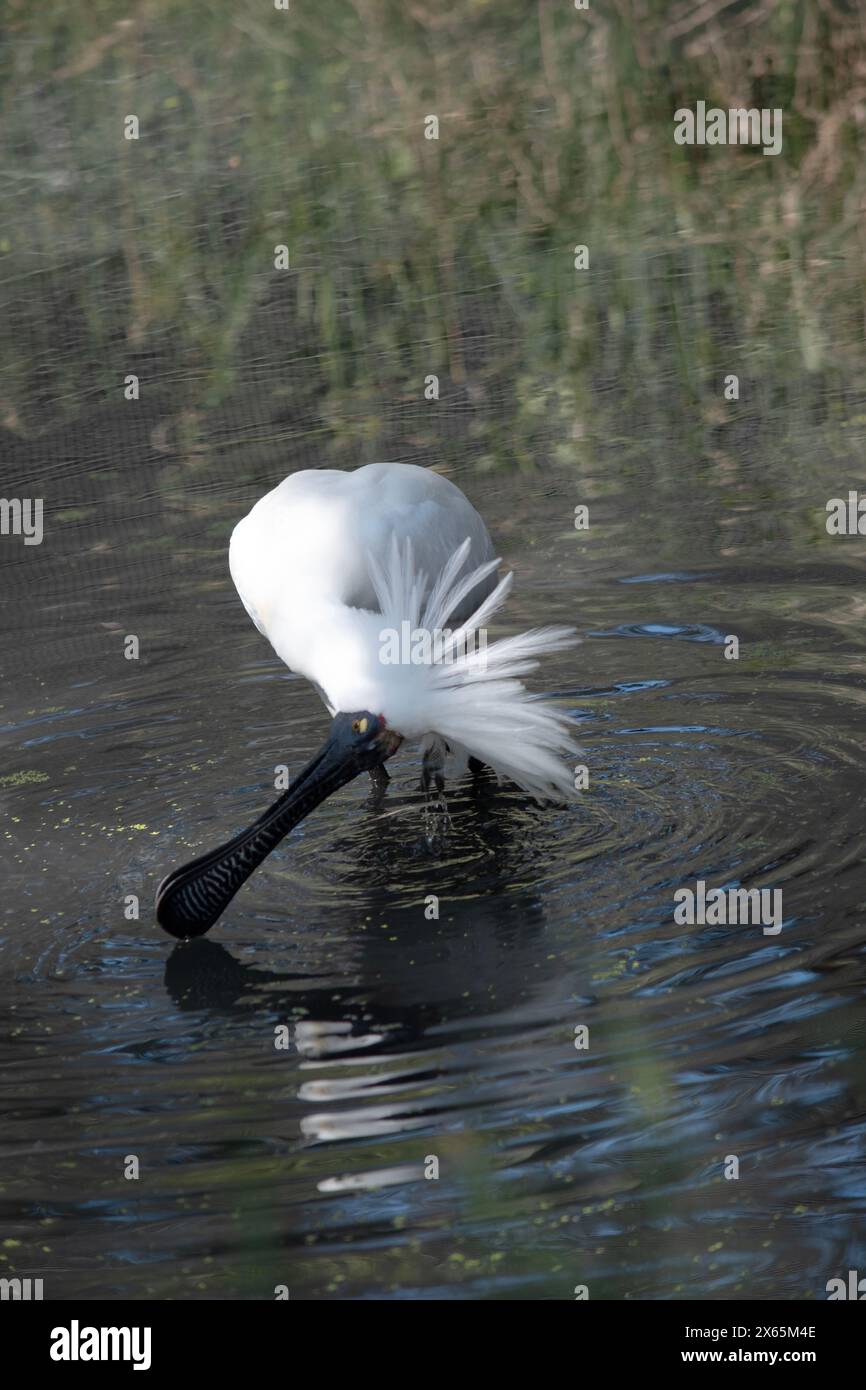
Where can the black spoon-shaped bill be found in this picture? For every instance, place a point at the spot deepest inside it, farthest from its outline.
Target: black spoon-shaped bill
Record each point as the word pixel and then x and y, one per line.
pixel 193 897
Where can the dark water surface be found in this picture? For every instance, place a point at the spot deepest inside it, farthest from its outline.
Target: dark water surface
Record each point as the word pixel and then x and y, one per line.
pixel 453 1038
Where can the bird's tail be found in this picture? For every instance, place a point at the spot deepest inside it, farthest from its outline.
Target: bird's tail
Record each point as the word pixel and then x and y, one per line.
pixel 471 693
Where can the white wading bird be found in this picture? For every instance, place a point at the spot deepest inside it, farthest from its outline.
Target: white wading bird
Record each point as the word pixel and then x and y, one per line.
pixel 325 564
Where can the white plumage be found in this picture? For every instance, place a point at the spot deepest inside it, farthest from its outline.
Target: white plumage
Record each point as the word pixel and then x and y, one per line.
pixel 328 561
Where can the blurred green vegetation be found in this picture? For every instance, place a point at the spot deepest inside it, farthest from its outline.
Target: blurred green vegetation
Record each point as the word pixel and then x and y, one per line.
pixel 411 256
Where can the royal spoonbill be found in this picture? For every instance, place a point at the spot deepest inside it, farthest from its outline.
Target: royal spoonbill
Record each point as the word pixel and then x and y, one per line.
pixel 330 563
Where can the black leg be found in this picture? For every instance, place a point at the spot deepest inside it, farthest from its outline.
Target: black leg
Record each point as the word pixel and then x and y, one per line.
pixel 476 766
pixel 380 777
pixel 433 770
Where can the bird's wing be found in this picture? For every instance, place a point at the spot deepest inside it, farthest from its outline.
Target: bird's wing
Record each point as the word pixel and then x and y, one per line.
pixel 316 531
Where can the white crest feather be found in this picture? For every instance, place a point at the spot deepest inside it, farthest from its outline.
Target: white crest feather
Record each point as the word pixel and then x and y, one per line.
pixel 471 697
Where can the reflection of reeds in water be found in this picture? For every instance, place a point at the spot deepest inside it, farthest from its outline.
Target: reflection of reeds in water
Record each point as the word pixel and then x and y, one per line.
pixel 412 256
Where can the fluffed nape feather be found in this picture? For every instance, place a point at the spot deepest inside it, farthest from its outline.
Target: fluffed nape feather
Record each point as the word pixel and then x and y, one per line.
pixel 474 699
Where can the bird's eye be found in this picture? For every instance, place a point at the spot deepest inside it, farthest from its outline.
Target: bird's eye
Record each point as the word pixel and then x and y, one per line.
pixel 359 726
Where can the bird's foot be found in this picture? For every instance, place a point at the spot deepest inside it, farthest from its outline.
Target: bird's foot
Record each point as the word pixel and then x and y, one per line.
pixel 433 772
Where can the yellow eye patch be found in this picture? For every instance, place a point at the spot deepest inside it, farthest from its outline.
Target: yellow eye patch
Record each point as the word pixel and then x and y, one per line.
pixel 360 726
